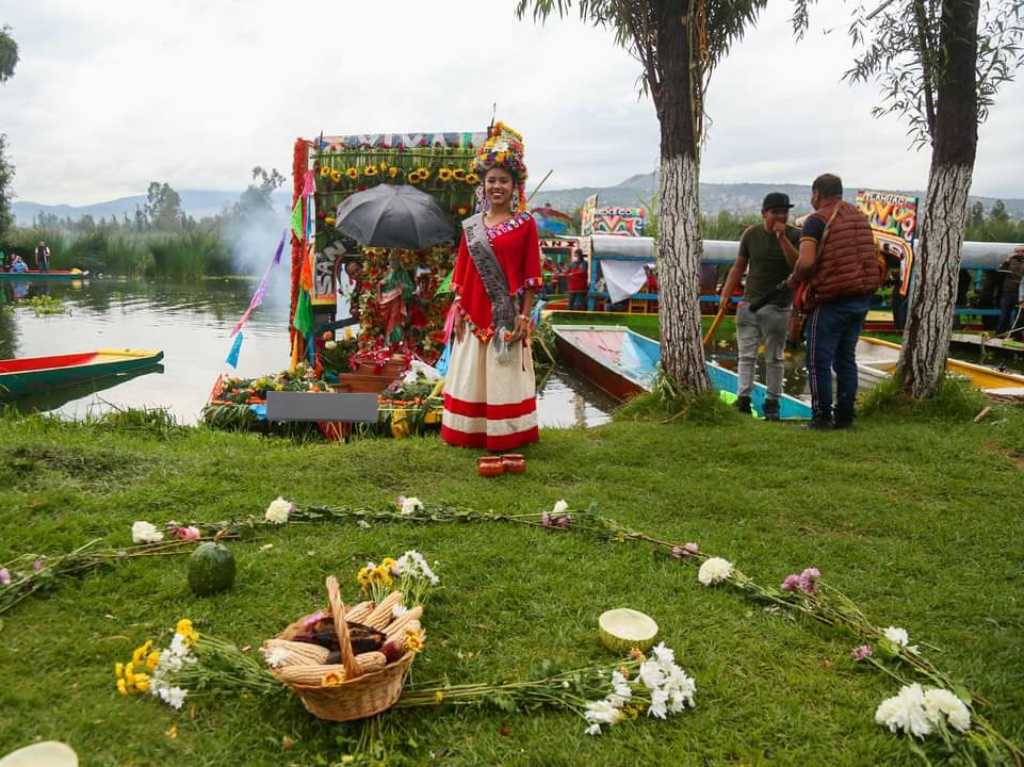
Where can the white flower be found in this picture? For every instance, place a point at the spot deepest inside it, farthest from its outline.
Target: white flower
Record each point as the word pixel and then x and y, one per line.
pixel 173 696
pixel 398 611
pixel 714 570
pixel 602 712
pixel 413 563
pixel 664 655
pixel 905 712
pixel 144 532
pixel 652 674
pixel 594 729
pixel 621 686
pixel 900 638
pixel 658 707
pixel 278 510
pixel 561 507
pixel 275 656
pixel 363 524
pixel 938 702
pixel 179 647
pixel 410 505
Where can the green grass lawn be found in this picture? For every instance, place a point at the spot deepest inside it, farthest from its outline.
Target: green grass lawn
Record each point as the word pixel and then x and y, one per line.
pixel 920 523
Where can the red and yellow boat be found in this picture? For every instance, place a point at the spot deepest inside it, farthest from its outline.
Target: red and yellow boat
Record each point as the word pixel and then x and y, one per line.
pixel 24 376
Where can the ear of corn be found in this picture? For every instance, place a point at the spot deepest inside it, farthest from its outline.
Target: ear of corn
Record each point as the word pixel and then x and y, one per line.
pixel 381 616
pixel 398 625
pixel 360 612
pixel 314 674
pixel 299 653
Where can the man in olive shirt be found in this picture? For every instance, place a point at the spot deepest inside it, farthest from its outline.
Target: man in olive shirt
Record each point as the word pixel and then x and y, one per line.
pixel 766 255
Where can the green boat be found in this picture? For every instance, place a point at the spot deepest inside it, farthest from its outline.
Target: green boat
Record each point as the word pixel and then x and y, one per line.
pixel 58 274
pixel 26 376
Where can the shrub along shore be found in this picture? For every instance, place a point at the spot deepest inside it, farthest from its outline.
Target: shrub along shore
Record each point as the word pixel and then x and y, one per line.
pixel 912 517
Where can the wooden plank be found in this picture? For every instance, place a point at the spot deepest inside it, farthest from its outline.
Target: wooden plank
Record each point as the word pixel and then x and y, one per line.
pixel 321 406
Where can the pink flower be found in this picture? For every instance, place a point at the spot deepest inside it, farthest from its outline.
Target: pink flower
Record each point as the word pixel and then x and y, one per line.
pixel 5 576
pixel 690 549
pixel 37 565
pixel 187 533
pixel 563 521
pixel 862 652
pixel 792 583
pixel 809 580
pixel 547 520
pixel 678 552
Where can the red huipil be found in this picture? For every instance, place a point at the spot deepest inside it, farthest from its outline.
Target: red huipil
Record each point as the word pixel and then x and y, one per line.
pixel 488 404
pixel 517 248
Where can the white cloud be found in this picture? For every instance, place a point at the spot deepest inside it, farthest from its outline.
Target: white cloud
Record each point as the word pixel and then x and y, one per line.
pixel 110 96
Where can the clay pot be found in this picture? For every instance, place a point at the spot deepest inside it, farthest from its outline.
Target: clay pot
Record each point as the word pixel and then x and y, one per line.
pixel 513 463
pixel 489 466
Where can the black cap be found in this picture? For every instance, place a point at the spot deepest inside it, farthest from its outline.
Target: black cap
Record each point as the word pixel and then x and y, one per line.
pixel 774 200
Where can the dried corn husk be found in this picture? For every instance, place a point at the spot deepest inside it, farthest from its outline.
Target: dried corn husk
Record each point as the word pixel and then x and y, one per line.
pixel 299 653
pixel 359 612
pixel 383 613
pixel 314 675
pixel 399 624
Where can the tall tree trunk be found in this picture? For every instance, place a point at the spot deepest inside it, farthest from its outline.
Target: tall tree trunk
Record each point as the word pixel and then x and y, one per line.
pixel 955 141
pixel 680 246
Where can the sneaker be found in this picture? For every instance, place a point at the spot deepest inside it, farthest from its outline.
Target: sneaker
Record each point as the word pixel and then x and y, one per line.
pixel 771 409
pixel 743 405
pixel 819 423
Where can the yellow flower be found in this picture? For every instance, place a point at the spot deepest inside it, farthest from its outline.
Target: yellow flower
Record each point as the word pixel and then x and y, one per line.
pixel 324 171
pixel 414 177
pixel 184 628
pixel 383 166
pixel 141 683
pixel 445 174
pixel 459 174
pixel 424 174
pixel 129 673
pixel 392 171
pixel 329 220
pixel 499 158
pixel 153 660
pixel 333 678
pixel 382 575
pixel 472 178
pixel 121 687
pixel 335 176
pixel 370 170
pixel 388 563
pixel 352 173
pixel 438 697
pixel 413 641
pixel 140 652
pixel 365 577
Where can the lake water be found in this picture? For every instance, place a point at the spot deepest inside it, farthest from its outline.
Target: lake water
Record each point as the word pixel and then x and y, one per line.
pixel 190 323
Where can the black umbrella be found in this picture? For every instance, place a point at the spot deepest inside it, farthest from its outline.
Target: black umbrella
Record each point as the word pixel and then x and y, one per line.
pixel 394 216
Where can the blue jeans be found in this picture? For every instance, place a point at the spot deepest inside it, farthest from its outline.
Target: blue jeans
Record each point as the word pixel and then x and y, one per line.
pixel 831 333
pixel 578 301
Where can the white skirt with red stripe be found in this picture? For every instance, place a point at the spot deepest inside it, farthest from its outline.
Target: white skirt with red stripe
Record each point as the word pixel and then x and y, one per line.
pixel 487 404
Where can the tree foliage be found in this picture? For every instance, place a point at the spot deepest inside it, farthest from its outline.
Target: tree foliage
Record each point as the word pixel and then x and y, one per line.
pixel 8 54
pixel 901 47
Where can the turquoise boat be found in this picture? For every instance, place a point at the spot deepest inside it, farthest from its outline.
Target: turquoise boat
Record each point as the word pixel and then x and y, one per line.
pixel 58 274
pixel 624 364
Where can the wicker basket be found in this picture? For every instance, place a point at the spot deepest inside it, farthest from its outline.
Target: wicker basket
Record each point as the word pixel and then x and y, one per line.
pixel 359 696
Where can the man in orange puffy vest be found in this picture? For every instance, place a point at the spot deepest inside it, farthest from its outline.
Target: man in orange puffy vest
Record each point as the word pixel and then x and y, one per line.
pixel 837 271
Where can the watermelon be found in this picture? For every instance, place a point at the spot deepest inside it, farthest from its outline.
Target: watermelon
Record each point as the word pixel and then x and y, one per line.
pixel 211 568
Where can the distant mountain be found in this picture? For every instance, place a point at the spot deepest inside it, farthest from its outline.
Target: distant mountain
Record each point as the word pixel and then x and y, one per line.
pixel 735 198
pixel 635 190
pixel 198 203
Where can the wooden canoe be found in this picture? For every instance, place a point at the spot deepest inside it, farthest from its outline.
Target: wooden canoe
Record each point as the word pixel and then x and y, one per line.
pixel 25 376
pixel 624 364
pixel 876 360
pixel 55 274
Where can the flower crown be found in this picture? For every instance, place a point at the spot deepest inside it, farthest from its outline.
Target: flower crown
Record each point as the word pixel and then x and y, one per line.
pixel 503 149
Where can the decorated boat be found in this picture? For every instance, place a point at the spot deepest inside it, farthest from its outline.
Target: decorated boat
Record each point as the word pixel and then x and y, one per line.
pixel 877 359
pixel 25 376
pixel 624 364
pixel 53 274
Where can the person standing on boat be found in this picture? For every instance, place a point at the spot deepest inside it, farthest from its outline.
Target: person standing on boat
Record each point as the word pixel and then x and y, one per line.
pixel 42 257
pixel 766 256
pixel 1013 270
pixel 576 284
pixel 837 272
pixel 489 390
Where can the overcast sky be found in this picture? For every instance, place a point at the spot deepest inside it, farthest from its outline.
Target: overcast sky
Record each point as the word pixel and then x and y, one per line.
pixel 111 95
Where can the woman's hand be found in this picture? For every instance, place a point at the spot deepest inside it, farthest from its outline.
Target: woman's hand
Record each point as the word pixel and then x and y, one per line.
pixel 521 329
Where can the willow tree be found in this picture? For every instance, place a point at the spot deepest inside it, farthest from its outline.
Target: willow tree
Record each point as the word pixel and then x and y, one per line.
pixel 939 64
pixel 678 43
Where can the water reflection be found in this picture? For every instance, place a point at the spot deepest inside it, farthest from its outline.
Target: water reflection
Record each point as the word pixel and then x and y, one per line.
pixel 191 323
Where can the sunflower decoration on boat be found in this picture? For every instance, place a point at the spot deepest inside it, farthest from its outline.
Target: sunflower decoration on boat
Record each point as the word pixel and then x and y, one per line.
pixel 472 178
pixel 458 174
pixel 444 175
pixel 352 173
pixel 335 176
pixel 370 170
pixel 392 172
pixel 325 171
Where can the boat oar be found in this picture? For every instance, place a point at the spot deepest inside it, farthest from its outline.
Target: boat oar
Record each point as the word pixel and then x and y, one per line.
pixel 715 323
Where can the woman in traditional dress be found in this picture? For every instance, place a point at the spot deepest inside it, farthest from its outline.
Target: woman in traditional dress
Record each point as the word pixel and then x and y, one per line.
pixel 490 391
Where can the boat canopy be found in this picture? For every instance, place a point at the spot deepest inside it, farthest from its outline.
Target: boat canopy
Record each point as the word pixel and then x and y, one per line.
pixel 973 255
